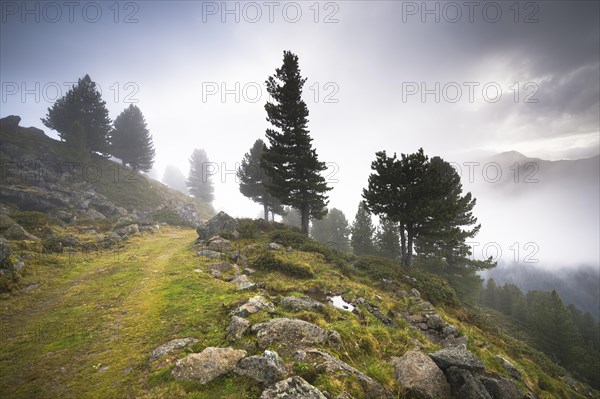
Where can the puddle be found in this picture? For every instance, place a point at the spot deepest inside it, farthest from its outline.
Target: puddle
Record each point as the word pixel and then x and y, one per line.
pixel 339 303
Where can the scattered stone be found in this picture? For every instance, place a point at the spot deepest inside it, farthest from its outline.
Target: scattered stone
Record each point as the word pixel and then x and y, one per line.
pixel 414 292
pixel 435 322
pixel 292 388
pixel 254 305
pixel 297 304
pixel 131 229
pixel 274 246
pixel 243 282
pixel 221 266
pixel 216 273
pixel 222 222
pixel 237 327
pixel 450 331
pixel 249 271
pixel 421 376
pixel 464 385
pixel 289 332
pixel 266 369
pixel 170 347
pixel 501 388
pixel 457 356
pixel 334 340
pixel 16 232
pixel 509 367
pixel 207 365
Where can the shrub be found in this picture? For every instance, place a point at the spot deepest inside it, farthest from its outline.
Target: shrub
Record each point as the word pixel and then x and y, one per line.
pixel 270 261
pixel 434 288
pixel 289 238
pixel 169 216
pixel 378 267
pixel 248 228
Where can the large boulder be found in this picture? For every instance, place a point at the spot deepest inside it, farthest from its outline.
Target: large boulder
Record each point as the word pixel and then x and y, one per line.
pixel 296 303
pixel 501 388
pixel 464 385
pixel 325 362
pixel 237 327
pixel 222 222
pixel 207 365
pixel 220 245
pixel 292 388
pixel 289 332
pixel 417 373
pixel 266 369
pixel 16 232
pixel 457 356
pixel 171 347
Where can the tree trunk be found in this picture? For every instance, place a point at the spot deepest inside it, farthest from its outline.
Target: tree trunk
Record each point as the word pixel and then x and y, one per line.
pixel 304 213
pixel 403 245
pixel 409 249
pixel 266 209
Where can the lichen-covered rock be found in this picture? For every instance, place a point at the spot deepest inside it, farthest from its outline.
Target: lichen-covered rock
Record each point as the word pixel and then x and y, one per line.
pixel 207 365
pixel 242 282
pixel 417 373
pixel 464 385
pixel 296 303
pixel 222 222
pixel 457 356
pixel 292 388
pixel 266 369
pixel 435 322
pixel 254 305
pixel 501 388
pixel 170 347
pixel 290 332
pixel 237 327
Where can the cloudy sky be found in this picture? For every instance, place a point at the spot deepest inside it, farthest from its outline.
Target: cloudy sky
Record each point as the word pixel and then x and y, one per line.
pixel 460 79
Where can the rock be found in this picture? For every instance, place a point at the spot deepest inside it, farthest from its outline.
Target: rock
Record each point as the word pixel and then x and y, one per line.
pixel 457 356
pixel 16 232
pixel 509 367
pixel 4 251
pixel 501 388
pixel 207 253
pixel 10 123
pixel 69 240
pixel 5 221
pixel 91 213
pixel 131 229
pixel 266 369
pixel 450 331
pixel 236 328
pixel 334 340
pixel 248 271
pixel 297 304
pixel 215 273
pixel 326 362
pixel 461 341
pixel 221 266
pixel 254 305
pixel 464 385
pixel 290 332
pixel 273 246
pixel 421 376
pixel 170 347
pixel 243 282
pixel 207 365
pixel 435 322
pixel 414 292
pixel 292 388
pixel 220 245
pixel 220 222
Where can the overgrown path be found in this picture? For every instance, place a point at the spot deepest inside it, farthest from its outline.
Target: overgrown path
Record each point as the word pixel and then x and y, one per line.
pixel 86 330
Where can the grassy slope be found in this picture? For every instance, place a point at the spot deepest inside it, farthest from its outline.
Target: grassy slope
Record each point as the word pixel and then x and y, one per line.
pixel 86 331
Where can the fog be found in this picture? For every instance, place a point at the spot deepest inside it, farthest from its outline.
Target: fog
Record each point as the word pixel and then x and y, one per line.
pixel 381 75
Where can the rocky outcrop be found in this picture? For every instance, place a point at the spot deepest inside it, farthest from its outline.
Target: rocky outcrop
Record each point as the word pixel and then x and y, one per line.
pixel 501 388
pixel 292 388
pixel 419 375
pixel 207 365
pixel 465 385
pixel 289 333
pixel 254 305
pixel 267 368
pixel 457 356
pixel 222 222
pixel 171 347
pixel 10 122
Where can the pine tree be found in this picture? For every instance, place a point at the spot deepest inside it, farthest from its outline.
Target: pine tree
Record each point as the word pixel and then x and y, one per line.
pixel 131 140
pixel 254 180
pixel 291 217
pixel 290 159
pixel 363 232
pixel 387 239
pixel 82 103
pixel 333 229
pixel 199 181
pixel 174 178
